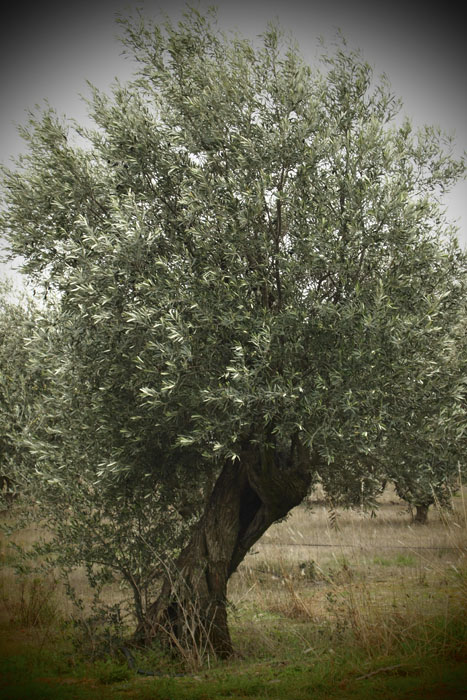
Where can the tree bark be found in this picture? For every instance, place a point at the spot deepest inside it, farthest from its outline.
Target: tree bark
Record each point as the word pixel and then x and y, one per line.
pixel 249 495
pixel 421 514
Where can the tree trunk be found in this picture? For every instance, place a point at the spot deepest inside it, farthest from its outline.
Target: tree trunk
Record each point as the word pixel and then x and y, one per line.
pixel 249 495
pixel 421 514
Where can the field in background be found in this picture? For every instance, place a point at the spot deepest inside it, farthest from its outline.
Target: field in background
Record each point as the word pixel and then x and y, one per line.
pixel 350 607
pixel 372 580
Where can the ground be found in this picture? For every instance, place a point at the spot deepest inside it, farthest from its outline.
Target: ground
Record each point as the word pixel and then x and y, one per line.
pixel 362 608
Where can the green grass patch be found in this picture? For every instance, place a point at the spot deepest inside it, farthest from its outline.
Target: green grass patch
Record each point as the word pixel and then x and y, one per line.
pixel 277 658
pixel 397 560
pixel 330 677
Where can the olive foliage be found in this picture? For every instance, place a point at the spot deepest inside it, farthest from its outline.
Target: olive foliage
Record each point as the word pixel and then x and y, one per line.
pixel 19 383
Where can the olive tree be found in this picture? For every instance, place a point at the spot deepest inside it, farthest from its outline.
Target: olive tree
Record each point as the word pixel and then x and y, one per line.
pixel 427 469
pixel 423 454
pixel 20 383
pixel 249 256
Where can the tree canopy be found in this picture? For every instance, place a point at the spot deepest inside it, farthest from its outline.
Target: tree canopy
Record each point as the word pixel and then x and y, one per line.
pixel 254 275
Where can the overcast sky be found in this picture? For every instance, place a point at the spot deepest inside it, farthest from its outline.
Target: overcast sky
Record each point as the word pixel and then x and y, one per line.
pixel 49 50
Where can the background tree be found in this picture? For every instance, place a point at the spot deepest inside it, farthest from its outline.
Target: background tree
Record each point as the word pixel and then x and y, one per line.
pixel 427 468
pixel 248 257
pixel 20 384
pixel 428 435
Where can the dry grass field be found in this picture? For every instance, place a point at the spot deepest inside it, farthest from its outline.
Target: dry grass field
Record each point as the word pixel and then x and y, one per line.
pixel 380 577
pixel 321 607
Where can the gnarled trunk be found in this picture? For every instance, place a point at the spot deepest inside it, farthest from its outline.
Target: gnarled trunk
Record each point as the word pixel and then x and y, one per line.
pixel 249 495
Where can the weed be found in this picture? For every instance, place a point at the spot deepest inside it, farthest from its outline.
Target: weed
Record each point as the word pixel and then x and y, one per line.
pixel 190 634
pixel 98 634
pixel 31 602
pixel 309 570
pixel 109 671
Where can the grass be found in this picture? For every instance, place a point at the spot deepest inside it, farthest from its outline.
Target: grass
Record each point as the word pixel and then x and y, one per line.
pixel 372 609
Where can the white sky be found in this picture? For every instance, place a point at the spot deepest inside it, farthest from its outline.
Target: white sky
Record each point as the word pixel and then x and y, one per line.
pixel 49 50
